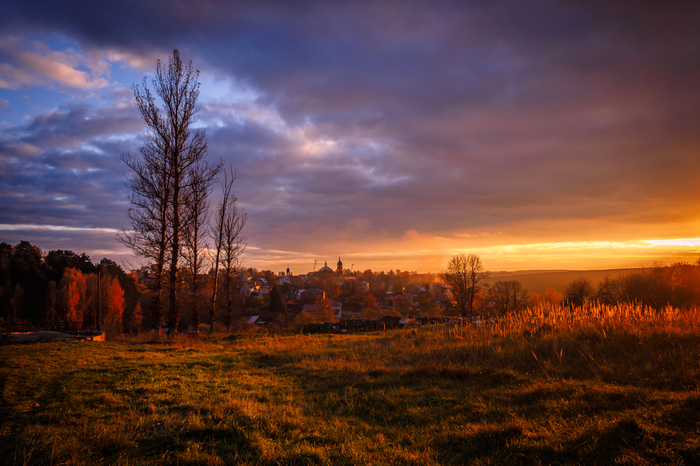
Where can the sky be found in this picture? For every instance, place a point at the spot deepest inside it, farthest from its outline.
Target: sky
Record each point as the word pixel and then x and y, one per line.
pixel 394 134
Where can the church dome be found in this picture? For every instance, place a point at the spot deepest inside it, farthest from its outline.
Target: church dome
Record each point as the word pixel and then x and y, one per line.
pixel 325 268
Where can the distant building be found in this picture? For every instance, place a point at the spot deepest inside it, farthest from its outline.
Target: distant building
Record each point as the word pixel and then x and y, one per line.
pixel 337 309
pixel 325 268
pixel 310 295
pixel 286 278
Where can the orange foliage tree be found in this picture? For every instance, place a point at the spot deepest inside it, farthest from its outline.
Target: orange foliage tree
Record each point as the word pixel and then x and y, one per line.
pixel 370 307
pixel 72 290
pixel 114 305
pixel 369 301
pixel 324 310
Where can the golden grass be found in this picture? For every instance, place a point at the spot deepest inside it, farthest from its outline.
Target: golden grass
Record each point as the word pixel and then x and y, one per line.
pixel 548 386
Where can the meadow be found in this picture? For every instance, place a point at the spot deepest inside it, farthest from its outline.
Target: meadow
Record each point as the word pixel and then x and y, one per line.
pixel 593 385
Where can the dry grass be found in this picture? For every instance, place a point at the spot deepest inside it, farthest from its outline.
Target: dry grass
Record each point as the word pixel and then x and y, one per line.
pixel 593 385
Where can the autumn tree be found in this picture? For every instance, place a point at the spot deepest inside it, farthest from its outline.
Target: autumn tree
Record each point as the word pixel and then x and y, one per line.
pixel 324 310
pixel 507 296
pixel 114 307
pixel 370 302
pixel 463 279
pixel 552 297
pixel 73 294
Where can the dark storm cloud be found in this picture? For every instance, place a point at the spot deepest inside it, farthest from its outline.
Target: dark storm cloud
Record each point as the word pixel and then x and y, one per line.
pixel 447 117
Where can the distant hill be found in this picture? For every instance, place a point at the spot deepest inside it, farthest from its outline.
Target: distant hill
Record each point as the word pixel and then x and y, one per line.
pixel 537 281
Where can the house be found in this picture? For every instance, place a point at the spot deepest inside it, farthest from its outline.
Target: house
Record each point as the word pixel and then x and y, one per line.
pixel 337 309
pixel 261 282
pixel 248 289
pixel 283 279
pixel 310 295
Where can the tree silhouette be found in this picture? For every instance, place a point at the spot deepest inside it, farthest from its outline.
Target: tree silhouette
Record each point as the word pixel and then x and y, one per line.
pixel 463 281
pixel 171 169
pixel 507 296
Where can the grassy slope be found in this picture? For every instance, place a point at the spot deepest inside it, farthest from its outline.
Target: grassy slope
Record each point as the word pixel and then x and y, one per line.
pixel 559 391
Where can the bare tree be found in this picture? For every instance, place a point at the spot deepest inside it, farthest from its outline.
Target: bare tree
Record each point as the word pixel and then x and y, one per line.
pixel 196 216
pixel 177 150
pixel 508 296
pixel 217 233
pixel 232 247
pixel 609 291
pixel 463 281
pixel 150 184
pixel 579 291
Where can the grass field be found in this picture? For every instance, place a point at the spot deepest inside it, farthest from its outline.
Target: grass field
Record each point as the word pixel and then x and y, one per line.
pixel 596 386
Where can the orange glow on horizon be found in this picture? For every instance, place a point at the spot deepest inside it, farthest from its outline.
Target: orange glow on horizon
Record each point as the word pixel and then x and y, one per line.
pixel 581 255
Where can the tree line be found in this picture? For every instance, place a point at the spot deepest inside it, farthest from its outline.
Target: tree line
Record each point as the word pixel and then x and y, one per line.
pixel 62 289
pixel 676 285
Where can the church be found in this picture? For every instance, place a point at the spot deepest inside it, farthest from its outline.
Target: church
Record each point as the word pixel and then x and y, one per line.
pixel 338 270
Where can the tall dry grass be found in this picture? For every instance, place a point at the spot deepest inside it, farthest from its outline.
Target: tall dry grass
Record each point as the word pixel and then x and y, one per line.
pixel 590 385
pixel 625 344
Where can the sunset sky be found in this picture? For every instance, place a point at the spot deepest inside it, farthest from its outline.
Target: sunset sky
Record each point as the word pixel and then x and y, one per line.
pixel 539 135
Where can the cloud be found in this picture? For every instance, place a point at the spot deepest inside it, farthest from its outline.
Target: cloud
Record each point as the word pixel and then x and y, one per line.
pixel 353 123
pixel 62 168
pixel 25 65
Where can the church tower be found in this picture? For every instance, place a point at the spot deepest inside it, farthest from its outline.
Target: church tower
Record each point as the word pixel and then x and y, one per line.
pixel 340 266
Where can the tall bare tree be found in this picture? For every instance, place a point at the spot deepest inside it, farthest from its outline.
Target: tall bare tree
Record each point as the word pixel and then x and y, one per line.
pixel 150 184
pixel 233 245
pixel 196 216
pixel 217 234
pixel 463 281
pixel 178 151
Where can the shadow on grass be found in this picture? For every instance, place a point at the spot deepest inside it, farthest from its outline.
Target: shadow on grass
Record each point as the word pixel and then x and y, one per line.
pixel 622 442
pixel 460 449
